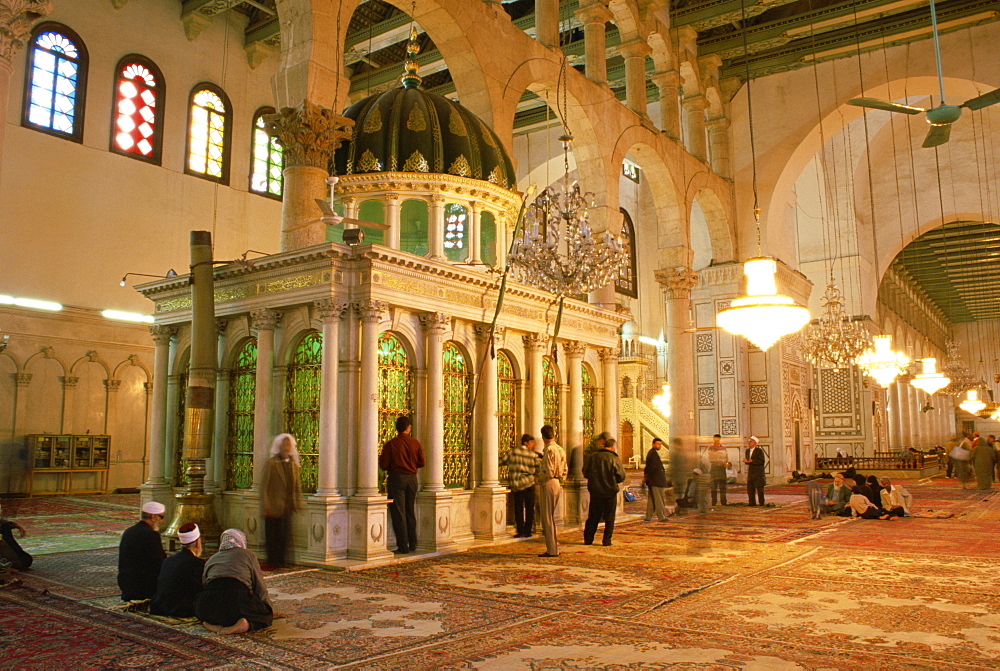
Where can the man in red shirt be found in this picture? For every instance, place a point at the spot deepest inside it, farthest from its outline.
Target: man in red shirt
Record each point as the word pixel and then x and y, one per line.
pixel 400 458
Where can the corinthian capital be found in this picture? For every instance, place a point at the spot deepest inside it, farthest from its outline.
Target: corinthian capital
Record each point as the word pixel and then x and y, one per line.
pixel 265 319
pixel 483 332
pixel 574 349
pixel 677 282
pixel 162 333
pixel 328 309
pixel 308 133
pixel 435 322
pixel 370 312
pixel 16 19
pixel 535 342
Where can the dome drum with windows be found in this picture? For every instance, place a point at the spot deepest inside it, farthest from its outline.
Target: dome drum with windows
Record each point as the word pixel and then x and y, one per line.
pixel 431 170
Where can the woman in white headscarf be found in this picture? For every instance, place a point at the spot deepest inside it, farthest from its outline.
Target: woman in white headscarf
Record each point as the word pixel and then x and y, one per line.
pixel 235 599
pixel 281 497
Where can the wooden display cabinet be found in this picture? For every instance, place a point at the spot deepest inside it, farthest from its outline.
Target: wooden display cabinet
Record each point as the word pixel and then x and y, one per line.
pixel 66 455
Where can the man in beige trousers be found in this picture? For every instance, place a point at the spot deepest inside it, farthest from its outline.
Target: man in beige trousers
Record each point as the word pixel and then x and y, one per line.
pixel 551 474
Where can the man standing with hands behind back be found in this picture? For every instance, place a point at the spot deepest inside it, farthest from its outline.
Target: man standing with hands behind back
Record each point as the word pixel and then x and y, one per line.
pixel 655 478
pixel 400 458
pixel 755 459
pixel 552 472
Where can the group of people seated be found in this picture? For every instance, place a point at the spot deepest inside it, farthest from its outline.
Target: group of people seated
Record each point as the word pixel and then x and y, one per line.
pixel 853 495
pixel 227 592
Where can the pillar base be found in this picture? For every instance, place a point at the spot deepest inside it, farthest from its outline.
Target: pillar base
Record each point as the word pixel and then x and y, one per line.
pixel 246 517
pixel 326 529
pixel 368 525
pixel 489 513
pixel 434 521
pixel 576 500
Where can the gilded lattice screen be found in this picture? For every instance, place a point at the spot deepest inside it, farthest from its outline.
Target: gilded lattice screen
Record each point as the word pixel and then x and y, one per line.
pixel 457 418
pixel 395 390
pixel 302 391
pixel 242 394
pixel 551 392
pixel 506 410
pixel 589 415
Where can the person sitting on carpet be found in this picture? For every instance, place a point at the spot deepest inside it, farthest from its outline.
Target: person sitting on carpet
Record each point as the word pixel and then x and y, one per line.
pixel 876 490
pixel 12 556
pixel 180 576
pixel 837 497
pixel 860 506
pixel 235 599
pixel 814 493
pixel 896 501
pixel 140 554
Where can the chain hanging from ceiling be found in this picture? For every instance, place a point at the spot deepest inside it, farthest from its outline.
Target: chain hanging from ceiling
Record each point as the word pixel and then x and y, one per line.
pixel 835 339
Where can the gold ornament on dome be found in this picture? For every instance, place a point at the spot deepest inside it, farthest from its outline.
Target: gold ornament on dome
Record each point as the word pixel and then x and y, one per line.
pixel 416 163
pixel 496 176
pixel 456 125
pixel 460 167
pixel 373 123
pixel 369 163
pixel 487 135
pixel 416 121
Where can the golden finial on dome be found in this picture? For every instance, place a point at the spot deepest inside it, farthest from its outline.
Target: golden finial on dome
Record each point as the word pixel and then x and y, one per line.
pixel 410 78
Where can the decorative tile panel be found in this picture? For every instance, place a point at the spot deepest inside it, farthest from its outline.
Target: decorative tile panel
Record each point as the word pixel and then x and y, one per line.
pixel 706 396
pixel 836 389
pixel 703 343
pixel 758 394
pixel 729 427
pixel 727 367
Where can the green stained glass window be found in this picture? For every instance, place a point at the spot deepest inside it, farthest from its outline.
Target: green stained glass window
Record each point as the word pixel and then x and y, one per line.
pixel 413 227
pixel 242 394
pixel 506 409
pixel 488 238
pixel 550 393
pixel 589 422
pixel 372 210
pixel 395 389
pixel 180 478
pixel 302 387
pixel 457 419
pixel 267 159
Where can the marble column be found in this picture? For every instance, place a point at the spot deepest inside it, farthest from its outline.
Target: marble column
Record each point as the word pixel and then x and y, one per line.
pixel 677 284
pixel 502 241
pixel 157 424
pixel 308 134
pixel 573 439
pixel 475 232
pixel 535 345
pixel 435 228
pixel 669 85
pixel 17 17
pixel 915 401
pixel 489 514
pixel 718 140
pixel 392 210
pixel 264 322
pixel 594 16
pixel 895 415
pixel 21 382
pixel 634 53
pixel 547 22
pixel 69 383
pixel 609 360
pixel 367 512
pixel 904 417
pixel 694 111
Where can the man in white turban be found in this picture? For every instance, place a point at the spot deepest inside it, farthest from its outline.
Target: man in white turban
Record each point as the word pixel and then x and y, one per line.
pixel 140 554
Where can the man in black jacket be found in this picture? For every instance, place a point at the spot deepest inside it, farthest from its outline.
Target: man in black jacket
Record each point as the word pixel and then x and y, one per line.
pixel 180 576
pixel 755 460
pixel 140 554
pixel 604 473
pixel 655 478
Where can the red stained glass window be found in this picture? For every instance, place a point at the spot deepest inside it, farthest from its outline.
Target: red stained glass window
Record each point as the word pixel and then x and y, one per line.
pixel 138 101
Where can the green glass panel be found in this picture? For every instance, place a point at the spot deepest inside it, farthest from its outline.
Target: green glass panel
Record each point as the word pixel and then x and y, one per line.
pixel 589 420
pixel 550 394
pixel 488 238
pixel 334 233
pixel 395 390
pixel 457 419
pixel 180 477
pixel 372 210
pixel 456 232
pixel 242 395
pixel 413 227
pixel 302 390
pixel 506 410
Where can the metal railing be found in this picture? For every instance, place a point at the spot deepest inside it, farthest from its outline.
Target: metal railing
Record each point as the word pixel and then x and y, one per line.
pixel 880 463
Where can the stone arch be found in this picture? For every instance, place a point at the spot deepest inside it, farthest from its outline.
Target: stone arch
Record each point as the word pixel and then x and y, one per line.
pixel 132 360
pixel 410 333
pixel 91 357
pixel 18 365
pixel 46 353
pixel 716 220
pixel 237 331
pixel 515 362
pixel 627 18
pixel 671 219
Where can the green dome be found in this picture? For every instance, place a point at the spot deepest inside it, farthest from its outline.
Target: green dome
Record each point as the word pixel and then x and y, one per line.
pixel 407 129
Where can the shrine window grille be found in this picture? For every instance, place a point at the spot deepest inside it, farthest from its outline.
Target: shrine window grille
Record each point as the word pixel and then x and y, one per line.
pixel 457 418
pixel 551 392
pixel 506 410
pixel 209 131
pixel 180 476
pixel 267 159
pixel 395 390
pixel 55 82
pixel 242 397
pixel 137 117
pixel 589 414
pixel 302 392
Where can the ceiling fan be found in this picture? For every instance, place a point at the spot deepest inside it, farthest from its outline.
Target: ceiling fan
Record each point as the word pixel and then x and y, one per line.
pixel 941 117
pixel 352 236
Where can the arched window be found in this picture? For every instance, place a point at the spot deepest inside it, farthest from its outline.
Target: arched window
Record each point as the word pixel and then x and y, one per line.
pixel 55 83
pixel 242 395
pixel 267 159
pixel 457 418
pixel 550 393
pixel 488 238
pixel 138 112
pixel 395 389
pixel 626 282
pixel 589 421
pixel 506 409
pixel 302 387
pixel 208 134
pixel 372 210
pixel 456 228
pixel 413 227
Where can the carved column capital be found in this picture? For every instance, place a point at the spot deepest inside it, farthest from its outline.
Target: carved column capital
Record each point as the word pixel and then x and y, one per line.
pixel 308 133
pixel 113 385
pixel 438 200
pixel 719 123
pixel 265 319
pixel 220 326
pixel 483 332
pixel 16 19
pixel 162 333
pixel 435 322
pixel 370 312
pixel 70 382
pixel 535 342
pixel 695 103
pixel 668 78
pixel 677 282
pixel 634 49
pixel 22 379
pixel 574 349
pixel 328 309
pixel 608 354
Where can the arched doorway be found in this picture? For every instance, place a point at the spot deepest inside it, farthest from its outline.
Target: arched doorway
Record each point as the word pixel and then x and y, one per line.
pixel 626 438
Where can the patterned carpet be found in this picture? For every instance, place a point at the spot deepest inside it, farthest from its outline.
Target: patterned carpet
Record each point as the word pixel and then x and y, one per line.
pixel 736 588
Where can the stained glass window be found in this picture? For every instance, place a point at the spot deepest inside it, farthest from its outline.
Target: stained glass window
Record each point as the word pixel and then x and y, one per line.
pixel 138 109
pixel 242 394
pixel 506 409
pixel 488 238
pixel 589 418
pixel 372 210
pixel 395 389
pixel 56 82
pixel 551 392
pixel 626 282
pixel 456 222
pixel 413 227
pixel 267 160
pixel 208 133
pixel 302 387
pixel 457 418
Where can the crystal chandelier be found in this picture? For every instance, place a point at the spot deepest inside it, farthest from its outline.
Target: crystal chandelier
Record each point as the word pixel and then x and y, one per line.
pixel 763 315
pixel 972 403
pixel 930 380
pixel 835 339
pixel 881 363
pixel 961 377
